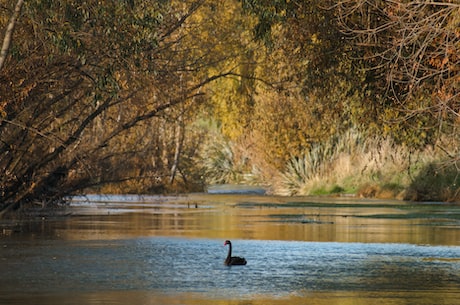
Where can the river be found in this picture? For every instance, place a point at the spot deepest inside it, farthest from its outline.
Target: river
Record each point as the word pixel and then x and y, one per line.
pixel 169 250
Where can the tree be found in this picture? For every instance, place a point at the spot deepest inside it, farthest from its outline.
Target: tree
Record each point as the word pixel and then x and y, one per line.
pixel 412 48
pixel 314 89
pixel 97 93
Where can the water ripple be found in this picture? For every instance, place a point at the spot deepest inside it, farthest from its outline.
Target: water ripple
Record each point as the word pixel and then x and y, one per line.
pixel 275 268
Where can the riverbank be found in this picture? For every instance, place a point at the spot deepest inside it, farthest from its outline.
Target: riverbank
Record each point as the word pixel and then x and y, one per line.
pixel 372 168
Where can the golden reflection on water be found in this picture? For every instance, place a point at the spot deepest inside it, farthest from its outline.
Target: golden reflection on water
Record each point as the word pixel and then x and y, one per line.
pixel 312 298
pixel 263 218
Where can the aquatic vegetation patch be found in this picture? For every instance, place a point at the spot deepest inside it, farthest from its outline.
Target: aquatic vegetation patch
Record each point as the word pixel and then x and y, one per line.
pixel 297 218
pixel 415 215
pixel 310 204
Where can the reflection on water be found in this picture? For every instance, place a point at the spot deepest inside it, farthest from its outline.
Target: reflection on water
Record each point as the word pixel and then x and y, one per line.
pixel 170 251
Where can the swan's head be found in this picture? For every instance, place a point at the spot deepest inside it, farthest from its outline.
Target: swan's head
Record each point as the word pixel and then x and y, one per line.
pixel 227 242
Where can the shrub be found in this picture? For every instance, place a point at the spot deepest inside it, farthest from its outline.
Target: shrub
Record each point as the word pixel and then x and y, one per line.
pixel 436 182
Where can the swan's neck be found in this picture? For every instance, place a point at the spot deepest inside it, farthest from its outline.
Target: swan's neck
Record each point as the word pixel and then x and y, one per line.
pixel 229 251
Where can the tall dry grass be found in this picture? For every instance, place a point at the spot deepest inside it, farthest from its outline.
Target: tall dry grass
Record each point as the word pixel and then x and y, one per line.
pixel 368 167
pixel 221 161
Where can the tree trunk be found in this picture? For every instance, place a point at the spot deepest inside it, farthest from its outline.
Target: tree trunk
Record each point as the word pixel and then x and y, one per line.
pixel 178 150
pixel 9 33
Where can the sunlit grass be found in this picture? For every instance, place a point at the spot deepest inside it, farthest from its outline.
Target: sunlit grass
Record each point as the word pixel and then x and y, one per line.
pixel 370 167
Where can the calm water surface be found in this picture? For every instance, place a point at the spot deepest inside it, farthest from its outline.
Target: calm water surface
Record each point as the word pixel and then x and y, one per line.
pixel 157 250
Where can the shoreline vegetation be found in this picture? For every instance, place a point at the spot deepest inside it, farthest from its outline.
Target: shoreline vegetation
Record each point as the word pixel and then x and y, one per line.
pixel 314 97
pixel 351 165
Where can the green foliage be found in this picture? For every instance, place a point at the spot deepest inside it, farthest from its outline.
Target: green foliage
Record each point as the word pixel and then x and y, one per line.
pixel 436 182
pixel 270 13
pixel 334 190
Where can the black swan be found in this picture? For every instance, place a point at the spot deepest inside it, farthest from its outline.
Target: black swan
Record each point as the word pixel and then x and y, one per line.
pixel 233 260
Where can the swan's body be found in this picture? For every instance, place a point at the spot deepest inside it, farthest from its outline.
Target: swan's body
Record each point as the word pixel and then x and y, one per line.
pixel 233 260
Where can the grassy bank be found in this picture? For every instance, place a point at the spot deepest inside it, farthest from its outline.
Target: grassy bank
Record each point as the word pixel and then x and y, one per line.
pixel 349 164
pixel 372 167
